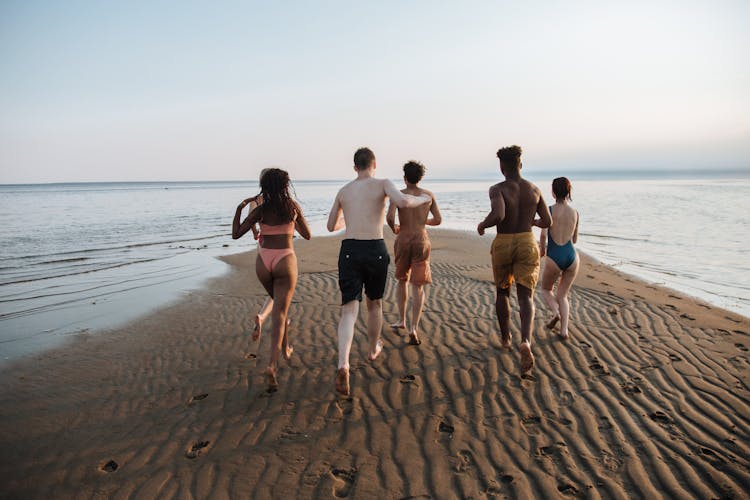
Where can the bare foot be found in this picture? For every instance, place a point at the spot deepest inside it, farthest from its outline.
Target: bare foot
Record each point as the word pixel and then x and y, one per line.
pixel 273 383
pixel 527 359
pixel 563 336
pixel 378 350
pixel 414 339
pixel 398 325
pixel 551 323
pixel 258 327
pixel 506 343
pixel 342 381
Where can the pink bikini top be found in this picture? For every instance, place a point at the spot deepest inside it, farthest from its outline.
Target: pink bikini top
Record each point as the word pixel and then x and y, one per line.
pixel 267 230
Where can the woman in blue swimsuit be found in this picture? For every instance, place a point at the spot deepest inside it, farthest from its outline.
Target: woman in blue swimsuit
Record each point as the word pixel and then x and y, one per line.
pixel 556 244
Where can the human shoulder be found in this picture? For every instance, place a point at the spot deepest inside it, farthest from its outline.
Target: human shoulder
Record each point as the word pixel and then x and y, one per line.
pixel 496 189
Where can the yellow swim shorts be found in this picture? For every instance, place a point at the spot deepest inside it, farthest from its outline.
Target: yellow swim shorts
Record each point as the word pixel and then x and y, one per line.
pixel 515 257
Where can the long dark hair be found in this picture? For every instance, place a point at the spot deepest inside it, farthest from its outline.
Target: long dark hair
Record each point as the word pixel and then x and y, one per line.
pixel 277 200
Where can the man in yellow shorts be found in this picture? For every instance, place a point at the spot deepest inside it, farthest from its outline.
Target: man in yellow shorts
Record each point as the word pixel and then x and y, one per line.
pixel 515 203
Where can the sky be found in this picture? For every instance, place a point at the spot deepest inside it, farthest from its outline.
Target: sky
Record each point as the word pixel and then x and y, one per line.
pixel 150 91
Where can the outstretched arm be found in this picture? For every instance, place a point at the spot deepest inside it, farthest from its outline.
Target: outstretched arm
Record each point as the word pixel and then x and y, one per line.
pixel 402 200
pixel 497 210
pixel 335 220
pixel 390 218
pixel 436 218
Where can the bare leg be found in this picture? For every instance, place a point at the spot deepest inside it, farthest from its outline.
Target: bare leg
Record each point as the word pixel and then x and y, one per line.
pixel 349 312
pixel 502 309
pixel 526 307
pixel 374 327
pixel 284 281
pixel 549 276
pixel 402 295
pixel 286 347
pixel 261 317
pixel 566 282
pixel 417 302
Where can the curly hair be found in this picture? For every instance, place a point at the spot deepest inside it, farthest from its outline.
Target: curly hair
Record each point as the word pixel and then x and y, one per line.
pixel 510 156
pixel 413 171
pixel 277 200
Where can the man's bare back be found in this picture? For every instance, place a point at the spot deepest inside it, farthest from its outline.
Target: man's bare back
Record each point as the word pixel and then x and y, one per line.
pixel 413 220
pixel 522 201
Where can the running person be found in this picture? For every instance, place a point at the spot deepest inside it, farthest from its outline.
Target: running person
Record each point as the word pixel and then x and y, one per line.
pixel 561 258
pixel 412 248
pixel 515 253
pixel 363 258
pixel 276 265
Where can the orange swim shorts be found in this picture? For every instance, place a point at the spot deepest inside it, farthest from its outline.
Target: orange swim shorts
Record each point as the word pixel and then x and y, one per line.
pixel 412 256
pixel 515 257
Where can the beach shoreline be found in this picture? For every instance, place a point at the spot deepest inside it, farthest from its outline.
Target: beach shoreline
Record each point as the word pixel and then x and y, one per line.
pixel 175 398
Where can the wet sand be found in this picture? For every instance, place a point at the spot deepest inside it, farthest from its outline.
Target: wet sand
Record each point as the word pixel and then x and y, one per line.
pixel 649 398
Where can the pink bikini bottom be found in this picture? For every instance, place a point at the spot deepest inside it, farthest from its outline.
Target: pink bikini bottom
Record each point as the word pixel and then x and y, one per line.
pixel 272 256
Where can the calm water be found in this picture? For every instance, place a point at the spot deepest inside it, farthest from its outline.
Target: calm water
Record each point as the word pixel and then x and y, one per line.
pixel 79 256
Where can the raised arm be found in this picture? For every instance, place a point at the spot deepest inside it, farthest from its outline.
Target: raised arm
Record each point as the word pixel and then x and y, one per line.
pixel 335 220
pixel 402 200
pixel 436 218
pixel 497 210
pixel 390 218
pixel 300 223
pixel 239 229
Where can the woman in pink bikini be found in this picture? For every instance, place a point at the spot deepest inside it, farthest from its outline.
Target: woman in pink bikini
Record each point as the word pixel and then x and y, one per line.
pixel 276 265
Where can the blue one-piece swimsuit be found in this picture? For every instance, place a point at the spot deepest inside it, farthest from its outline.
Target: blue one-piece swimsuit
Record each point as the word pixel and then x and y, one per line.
pixel 562 255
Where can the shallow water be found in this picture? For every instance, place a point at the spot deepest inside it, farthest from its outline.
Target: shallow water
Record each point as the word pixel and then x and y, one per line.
pixel 81 256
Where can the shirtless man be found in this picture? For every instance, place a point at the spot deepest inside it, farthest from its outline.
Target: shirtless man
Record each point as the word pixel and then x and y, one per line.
pixel 515 253
pixel 363 259
pixel 412 248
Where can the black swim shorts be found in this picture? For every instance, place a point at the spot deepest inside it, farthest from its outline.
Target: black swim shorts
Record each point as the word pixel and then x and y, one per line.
pixel 362 262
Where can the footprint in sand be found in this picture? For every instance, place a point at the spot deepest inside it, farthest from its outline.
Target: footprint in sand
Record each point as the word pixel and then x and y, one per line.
pixel 531 424
pixel 197 397
pixel 345 405
pixel 565 421
pixel 604 423
pixel 687 316
pixel 675 357
pixel 110 466
pixel 446 427
pixel 598 367
pixel 741 347
pixel 408 379
pixel 343 481
pixel 196 449
pixel 506 479
pixel 660 417
pixel 631 387
pixel 465 461
pixel 566 398
pixel 567 489
pixel 585 345
pixel 250 355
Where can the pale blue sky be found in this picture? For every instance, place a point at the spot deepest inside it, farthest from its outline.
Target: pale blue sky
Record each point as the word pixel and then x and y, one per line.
pixel 218 90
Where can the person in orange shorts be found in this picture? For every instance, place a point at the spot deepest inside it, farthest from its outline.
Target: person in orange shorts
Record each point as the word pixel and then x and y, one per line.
pixel 515 203
pixel 412 248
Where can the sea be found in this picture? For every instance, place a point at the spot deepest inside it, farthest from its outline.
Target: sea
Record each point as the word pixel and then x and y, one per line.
pixel 85 257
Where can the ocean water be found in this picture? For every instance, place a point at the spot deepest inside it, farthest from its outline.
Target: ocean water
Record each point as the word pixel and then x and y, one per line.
pixel 77 257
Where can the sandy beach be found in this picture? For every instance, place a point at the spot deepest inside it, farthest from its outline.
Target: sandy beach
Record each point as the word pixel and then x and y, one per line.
pixel 649 398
